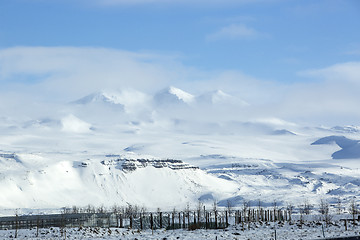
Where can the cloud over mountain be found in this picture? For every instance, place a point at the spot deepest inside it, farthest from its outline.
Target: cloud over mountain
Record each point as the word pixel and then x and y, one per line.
pixel 51 75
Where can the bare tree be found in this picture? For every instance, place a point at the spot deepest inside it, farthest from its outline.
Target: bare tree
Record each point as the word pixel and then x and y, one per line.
pixel 158 210
pixel 245 209
pixel 75 209
pixel 159 216
pixel 131 212
pixel 338 206
pixel 259 205
pixel 215 212
pixel 173 218
pixel 215 205
pixel 65 210
pixel 306 208
pixel 90 209
pixel 353 209
pixel 143 210
pixel 259 211
pixel 275 205
pixel 290 208
pixel 324 209
pixel 229 207
pixel 136 210
pixel 199 208
pixel 115 209
pixel 101 209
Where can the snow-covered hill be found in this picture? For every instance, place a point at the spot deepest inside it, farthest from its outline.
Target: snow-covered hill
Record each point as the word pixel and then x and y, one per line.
pixel 349 148
pixel 115 147
pixel 54 180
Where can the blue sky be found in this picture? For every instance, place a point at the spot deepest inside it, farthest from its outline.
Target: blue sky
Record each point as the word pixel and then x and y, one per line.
pixel 264 48
pixel 283 37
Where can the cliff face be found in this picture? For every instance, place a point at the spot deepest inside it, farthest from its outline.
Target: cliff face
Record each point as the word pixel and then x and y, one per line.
pixel 133 164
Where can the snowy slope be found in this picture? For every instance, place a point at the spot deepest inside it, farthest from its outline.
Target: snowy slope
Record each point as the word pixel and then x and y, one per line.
pixel 53 180
pixel 63 157
pixel 349 148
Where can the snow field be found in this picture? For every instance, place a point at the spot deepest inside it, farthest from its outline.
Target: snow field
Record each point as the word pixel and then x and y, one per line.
pixel 309 230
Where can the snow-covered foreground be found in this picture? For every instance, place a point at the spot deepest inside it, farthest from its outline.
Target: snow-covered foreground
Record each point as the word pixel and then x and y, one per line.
pixel 309 230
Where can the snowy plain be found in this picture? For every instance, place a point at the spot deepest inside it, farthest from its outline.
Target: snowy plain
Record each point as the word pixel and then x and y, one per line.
pixel 255 231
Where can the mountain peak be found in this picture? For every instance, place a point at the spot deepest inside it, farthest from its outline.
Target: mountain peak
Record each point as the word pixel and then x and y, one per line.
pixel 100 97
pixel 181 94
pixel 173 94
pixel 220 97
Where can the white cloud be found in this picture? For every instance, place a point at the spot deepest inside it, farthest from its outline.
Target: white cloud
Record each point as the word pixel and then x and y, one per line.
pixel 332 98
pixel 349 71
pixel 73 71
pixel 234 32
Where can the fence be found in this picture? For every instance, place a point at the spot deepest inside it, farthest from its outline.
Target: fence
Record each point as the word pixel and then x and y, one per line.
pixel 215 219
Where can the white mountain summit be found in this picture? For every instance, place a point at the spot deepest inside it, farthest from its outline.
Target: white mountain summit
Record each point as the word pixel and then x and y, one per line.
pixel 172 95
pixel 100 97
pixel 220 97
pixel 128 99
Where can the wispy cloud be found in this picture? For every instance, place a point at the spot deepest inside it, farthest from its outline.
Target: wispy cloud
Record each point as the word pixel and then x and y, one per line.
pixel 59 70
pixel 342 72
pixel 234 32
pixel 62 74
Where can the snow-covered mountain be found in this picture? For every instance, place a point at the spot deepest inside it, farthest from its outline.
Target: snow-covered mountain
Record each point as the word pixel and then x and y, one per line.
pixel 100 97
pixel 346 129
pixel 114 147
pixel 219 97
pixel 349 148
pixel 128 99
pixel 173 95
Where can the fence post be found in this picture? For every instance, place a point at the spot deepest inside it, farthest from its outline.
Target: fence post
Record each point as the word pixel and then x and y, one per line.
pixel 141 222
pixel 169 223
pixel 215 219
pixel 188 218
pixel 37 226
pixel 173 220
pixel 184 223
pixel 345 222
pixel 226 219
pixel 206 220
pixel 16 225
pixel 151 221
pixel 161 222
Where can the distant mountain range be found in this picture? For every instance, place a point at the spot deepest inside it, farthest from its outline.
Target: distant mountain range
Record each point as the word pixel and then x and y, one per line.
pixel 167 96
